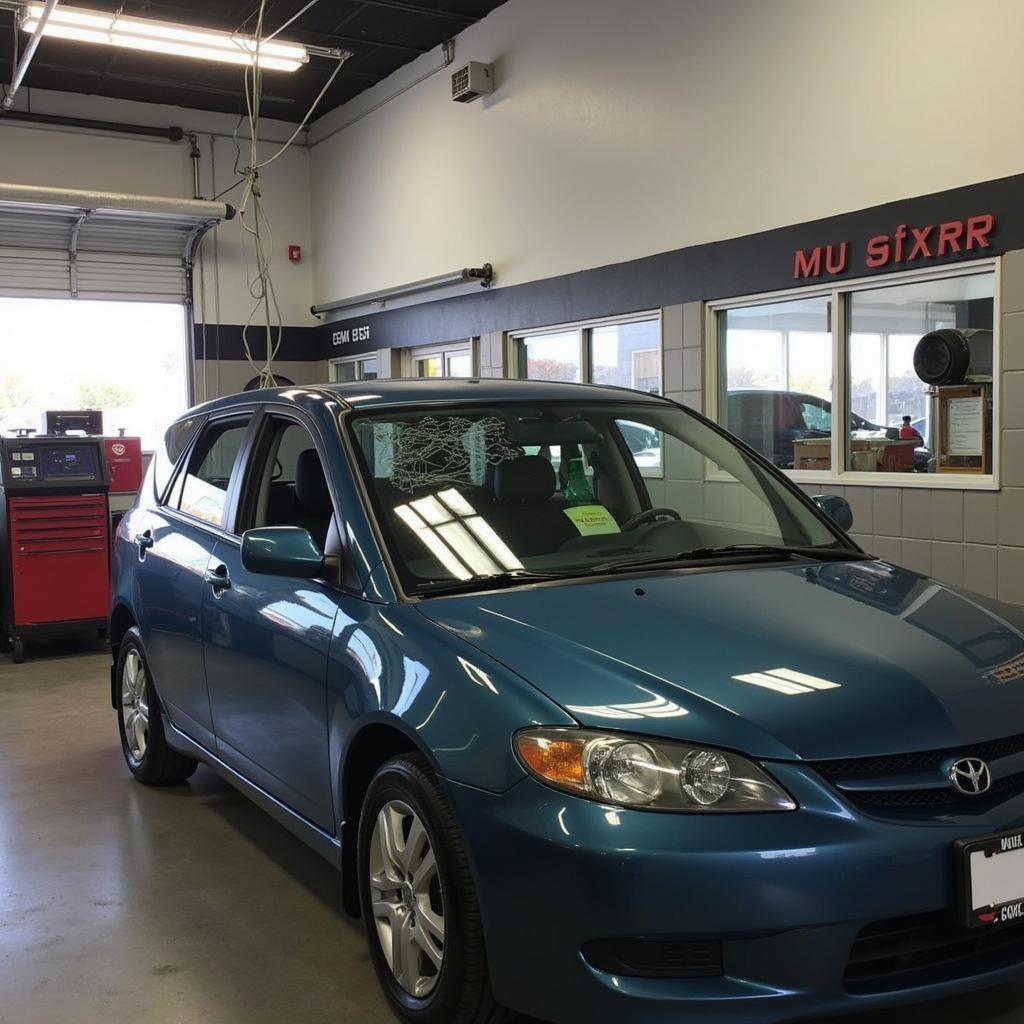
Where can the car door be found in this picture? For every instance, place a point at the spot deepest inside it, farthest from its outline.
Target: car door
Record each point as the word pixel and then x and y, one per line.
pixel 267 638
pixel 175 541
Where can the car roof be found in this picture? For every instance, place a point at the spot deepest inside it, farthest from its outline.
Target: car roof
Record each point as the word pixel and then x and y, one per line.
pixel 384 394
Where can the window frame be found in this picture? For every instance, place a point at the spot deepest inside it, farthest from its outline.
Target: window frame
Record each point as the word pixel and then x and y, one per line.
pixel 358 360
pixel 837 292
pixel 583 329
pixel 584 347
pixel 443 350
pixel 226 527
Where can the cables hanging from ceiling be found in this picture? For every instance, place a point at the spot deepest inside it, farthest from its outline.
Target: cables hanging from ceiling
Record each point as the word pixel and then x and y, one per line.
pixel 265 313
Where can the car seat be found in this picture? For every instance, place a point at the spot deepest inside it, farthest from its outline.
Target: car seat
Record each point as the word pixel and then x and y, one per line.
pixel 313 496
pixel 523 512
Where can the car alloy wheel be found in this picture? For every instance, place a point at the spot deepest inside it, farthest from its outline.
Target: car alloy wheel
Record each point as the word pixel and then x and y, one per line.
pixel 406 898
pixel 135 705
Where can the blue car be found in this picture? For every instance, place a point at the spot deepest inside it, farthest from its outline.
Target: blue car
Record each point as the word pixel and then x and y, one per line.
pixel 588 740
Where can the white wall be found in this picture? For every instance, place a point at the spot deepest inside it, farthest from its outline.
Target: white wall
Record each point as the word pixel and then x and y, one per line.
pixel 72 159
pixel 620 129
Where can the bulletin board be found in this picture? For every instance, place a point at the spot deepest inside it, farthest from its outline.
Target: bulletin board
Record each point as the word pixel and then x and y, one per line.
pixel 965 429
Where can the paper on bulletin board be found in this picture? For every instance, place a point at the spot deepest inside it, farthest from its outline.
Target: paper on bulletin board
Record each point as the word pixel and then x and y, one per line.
pixel 965 426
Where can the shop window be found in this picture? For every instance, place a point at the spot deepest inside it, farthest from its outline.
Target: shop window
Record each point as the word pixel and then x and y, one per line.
pixel 915 375
pixel 898 412
pixel 450 360
pixel 627 355
pixel 550 356
pixel 357 368
pixel 776 380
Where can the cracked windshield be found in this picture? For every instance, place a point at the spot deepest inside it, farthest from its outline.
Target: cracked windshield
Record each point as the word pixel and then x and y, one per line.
pixel 567 489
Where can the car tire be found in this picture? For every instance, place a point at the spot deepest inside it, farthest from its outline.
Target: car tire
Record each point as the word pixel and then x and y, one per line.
pixel 140 720
pixel 458 991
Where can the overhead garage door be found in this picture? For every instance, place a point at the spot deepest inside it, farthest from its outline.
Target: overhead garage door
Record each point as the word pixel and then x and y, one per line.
pixel 75 244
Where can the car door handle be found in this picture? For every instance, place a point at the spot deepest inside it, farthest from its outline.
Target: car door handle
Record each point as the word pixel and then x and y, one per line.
pixel 218 578
pixel 144 540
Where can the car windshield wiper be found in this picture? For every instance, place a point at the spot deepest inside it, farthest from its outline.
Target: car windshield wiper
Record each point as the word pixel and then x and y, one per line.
pixel 727 550
pixel 513 578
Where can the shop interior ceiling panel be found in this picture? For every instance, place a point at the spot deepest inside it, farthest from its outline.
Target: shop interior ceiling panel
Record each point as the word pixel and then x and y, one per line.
pixel 94 249
pixel 382 35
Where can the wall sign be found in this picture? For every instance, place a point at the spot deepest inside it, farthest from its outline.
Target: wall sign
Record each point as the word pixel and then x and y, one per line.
pixel 907 244
pixel 965 441
pixel 350 335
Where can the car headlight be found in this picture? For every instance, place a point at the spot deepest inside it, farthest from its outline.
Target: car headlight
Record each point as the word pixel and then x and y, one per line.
pixel 656 775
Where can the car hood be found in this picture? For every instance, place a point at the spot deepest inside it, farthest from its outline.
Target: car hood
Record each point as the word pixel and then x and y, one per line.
pixel 829 660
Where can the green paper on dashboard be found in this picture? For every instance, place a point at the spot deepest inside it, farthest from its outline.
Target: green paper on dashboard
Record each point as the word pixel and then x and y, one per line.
pixel 591 520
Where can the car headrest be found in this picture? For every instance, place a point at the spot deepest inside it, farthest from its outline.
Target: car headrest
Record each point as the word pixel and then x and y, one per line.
pixel 311 485
pixel 525 481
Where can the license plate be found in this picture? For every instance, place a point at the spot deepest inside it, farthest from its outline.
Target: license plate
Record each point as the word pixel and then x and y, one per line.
pixel 991 876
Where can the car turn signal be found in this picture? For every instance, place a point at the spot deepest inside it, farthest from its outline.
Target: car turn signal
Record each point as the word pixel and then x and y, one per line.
pixel 559 761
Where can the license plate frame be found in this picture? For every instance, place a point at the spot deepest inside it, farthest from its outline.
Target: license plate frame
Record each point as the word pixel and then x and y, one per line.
pixel 1005 912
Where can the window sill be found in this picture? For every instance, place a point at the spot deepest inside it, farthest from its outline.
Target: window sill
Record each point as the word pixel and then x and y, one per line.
pixel 927 481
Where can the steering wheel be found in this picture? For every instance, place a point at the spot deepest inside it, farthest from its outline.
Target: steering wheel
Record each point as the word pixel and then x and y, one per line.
pixel 649 515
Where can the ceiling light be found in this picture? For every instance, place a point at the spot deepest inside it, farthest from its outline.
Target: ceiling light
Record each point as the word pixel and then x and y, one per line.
pixel 165 37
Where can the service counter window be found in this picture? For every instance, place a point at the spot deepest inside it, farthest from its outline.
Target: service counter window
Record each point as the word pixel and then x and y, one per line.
pixel 881 381
pixel 776 382
pixel 914 349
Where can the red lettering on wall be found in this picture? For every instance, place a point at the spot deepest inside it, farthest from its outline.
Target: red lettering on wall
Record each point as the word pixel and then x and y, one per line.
pixel 878 251
pixel 807 264
pixel 836 264
pixel 920 246
pixel 978 230
pixel 906 244
pixel 949 234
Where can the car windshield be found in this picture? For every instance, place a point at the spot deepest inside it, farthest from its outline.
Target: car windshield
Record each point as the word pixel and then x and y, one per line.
pixel 529 490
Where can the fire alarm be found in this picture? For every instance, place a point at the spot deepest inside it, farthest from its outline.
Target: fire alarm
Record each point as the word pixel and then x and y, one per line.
pixel 295 253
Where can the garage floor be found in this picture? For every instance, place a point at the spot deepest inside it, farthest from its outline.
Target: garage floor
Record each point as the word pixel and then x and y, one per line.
pixel 179 906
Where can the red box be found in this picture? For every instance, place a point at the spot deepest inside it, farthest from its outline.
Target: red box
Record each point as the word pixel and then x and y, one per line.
pixel 124 460
pixel 60 558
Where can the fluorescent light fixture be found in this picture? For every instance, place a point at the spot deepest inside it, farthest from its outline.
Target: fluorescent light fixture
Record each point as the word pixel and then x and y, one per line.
pixel 165 37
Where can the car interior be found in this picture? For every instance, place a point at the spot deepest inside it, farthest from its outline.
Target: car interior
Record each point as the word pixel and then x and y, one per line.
pixel 293 489
pixel 556 490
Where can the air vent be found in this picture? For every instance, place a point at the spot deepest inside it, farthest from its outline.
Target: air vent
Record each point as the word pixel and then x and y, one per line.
pixel 471 81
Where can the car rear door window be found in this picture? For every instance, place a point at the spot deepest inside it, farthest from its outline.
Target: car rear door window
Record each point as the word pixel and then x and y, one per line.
pixel 204 487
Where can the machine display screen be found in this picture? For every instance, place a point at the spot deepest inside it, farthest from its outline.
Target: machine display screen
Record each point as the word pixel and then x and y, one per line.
pixel 67 462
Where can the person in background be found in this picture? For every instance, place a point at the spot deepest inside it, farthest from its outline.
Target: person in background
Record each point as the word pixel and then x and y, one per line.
pixel 907 432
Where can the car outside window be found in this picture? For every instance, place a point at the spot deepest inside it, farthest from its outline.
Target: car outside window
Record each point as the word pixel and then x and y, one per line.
pixel 469 493
pixel 205 485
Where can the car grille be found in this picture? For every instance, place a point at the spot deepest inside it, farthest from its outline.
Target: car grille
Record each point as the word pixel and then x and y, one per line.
pixel 657 958
pixel 893 781
pixel 902 952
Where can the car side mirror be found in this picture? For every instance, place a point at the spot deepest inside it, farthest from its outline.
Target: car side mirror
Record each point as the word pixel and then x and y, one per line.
pixel 836 508
pixel 282 551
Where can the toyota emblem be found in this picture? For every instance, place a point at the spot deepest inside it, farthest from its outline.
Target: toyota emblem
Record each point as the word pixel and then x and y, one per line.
pixel 970 776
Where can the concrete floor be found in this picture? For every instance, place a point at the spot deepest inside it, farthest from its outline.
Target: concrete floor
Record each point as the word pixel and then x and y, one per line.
pixel 181 906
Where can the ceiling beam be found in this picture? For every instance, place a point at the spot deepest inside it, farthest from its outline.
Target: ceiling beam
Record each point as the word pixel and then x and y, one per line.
pixel 430 12
pixel 163 83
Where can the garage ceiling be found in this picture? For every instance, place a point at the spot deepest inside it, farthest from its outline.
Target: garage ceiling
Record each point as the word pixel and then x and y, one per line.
pixel 382 35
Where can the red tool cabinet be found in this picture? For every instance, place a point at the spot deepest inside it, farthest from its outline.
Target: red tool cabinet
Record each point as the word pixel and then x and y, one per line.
pixel 54 538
